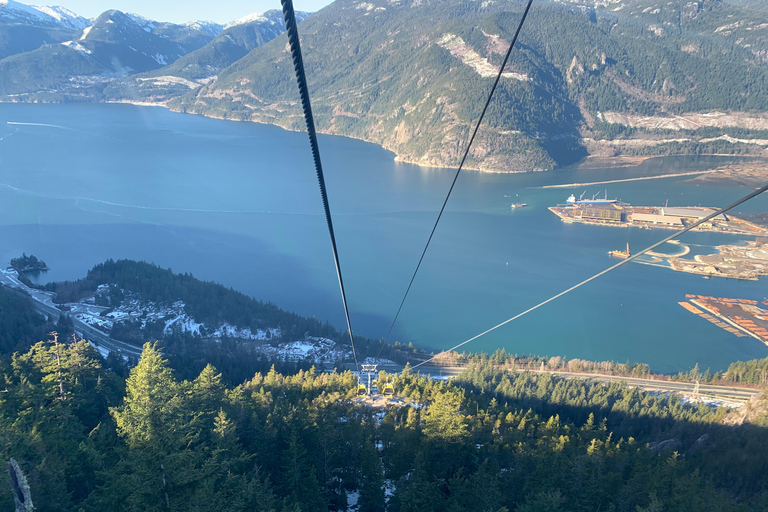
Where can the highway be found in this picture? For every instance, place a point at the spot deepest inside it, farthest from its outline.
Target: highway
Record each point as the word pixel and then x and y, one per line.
pixel 43 302
pixel 727 393
pixel 733 394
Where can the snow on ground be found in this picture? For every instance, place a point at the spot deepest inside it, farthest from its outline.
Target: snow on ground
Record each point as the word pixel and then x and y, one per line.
pixel 174 317
pixel 315 349
pixel 377 360
pixel 389 489
pixel 256 16
pixel 352 499
pixel 77 46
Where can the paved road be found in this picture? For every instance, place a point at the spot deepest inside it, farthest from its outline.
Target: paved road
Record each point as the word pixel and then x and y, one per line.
pixel 726 393
pixel 730 393
pixel 43 302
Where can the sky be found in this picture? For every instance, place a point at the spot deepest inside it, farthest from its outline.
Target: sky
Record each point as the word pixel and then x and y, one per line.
pixel 180 11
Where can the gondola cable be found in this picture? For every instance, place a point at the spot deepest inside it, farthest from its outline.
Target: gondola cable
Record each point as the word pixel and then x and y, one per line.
pixel 458 171
pixel 298 65
pixel 609 269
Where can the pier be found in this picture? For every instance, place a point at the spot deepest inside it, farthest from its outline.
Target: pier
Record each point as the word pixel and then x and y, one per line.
pixel 740 317
pixel 615 213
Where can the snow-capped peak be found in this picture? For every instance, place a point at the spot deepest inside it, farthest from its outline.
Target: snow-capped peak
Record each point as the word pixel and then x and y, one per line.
pixel 41 15
pixel 209 27
pixel 145 23
pixel 256 16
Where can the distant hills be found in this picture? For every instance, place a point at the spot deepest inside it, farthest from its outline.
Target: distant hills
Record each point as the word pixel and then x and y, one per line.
pixel 598 78
pixel 52 54
pixel 203 65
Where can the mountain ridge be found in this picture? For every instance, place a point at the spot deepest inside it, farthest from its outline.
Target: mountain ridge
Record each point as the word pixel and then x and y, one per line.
pixel 573 63
pixel 602 79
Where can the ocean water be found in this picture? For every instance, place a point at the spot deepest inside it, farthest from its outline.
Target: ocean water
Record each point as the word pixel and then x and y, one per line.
pixel 238 203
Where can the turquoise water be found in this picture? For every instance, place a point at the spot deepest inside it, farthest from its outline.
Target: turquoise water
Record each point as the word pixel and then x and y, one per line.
pixel 238 203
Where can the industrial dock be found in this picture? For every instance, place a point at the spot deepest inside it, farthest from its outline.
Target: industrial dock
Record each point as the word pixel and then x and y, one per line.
pixel 746 262
pixel 613 212
pixel 740 317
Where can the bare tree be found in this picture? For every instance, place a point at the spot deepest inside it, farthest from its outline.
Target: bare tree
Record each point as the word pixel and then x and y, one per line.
pixel 19 488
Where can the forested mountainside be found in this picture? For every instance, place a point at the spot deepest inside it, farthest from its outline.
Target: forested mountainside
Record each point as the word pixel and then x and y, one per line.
pixel 201 322
pixel 601 78
pixel 86 439
pixel 672 77
pixel 204 64
pixel 66 58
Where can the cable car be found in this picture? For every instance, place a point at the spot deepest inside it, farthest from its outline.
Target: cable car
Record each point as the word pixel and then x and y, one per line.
pixel 362 390
pixel 374 385
pixel 388 391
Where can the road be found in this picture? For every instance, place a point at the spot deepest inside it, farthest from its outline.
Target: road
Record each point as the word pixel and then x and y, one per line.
pixel 43 302
pixel 728 393
pixel 731 394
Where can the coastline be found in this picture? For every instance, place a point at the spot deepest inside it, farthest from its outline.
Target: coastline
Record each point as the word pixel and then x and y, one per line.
pixel 590 162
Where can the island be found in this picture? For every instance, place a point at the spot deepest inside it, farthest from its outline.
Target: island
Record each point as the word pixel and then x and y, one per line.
pixel 28 264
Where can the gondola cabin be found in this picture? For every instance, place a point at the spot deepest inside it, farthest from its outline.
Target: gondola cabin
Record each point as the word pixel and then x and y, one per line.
pixel 362 390
pixel 388 391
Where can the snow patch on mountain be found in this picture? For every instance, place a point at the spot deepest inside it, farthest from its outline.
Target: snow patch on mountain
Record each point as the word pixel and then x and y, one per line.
pixel 64 16
pixel 77 46
pixel 41 15
pixel 208 27
pixel 145 23
pixel 256 16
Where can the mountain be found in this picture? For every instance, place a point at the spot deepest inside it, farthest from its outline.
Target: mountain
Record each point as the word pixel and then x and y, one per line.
pixel 600 78
pixel 40 16
pixel 202 65
pixel 24 28
pixel 191 35
pixel 115 44
pixel 234 43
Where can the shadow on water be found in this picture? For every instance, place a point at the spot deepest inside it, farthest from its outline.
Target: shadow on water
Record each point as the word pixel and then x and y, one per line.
pixel 565 151
pixel 244 263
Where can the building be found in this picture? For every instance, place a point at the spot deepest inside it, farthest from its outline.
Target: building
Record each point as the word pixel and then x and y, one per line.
pixel 602 214
pixel 652 218
pixel 690 213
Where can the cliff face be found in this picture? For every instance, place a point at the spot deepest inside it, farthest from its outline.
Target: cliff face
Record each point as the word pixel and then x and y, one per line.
pixel 609 79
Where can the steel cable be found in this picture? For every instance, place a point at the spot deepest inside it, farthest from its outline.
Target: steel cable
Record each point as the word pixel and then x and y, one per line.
pixel 298 66
pixel 458 171
pixel 609 269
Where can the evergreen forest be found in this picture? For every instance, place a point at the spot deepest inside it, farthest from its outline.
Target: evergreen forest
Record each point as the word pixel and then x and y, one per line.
pixel 91 434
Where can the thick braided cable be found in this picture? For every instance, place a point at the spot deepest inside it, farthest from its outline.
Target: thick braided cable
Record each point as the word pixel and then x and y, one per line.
pixel 298 66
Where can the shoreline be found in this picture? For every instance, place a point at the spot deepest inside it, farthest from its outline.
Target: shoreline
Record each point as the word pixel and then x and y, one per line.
pixel 590 162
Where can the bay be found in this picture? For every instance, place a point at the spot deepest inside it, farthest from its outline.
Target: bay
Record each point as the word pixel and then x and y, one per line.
pixel 237 203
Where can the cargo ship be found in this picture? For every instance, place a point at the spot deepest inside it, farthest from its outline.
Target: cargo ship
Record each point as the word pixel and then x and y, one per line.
pixel 572 201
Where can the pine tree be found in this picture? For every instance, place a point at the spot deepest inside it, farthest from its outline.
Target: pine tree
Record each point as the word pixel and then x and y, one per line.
pixel 149 416
pixel 371 481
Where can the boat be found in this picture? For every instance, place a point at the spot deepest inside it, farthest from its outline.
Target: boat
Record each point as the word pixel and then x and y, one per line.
pixel 518 205
pixel 572 201
pixel 620 254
